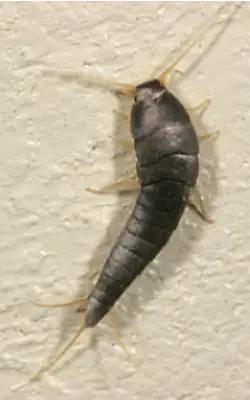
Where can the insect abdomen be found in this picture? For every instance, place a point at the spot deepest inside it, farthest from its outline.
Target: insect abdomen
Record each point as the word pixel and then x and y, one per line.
pixel 156 214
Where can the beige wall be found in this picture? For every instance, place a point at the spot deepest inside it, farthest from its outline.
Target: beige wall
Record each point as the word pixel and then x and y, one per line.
pixel 187 319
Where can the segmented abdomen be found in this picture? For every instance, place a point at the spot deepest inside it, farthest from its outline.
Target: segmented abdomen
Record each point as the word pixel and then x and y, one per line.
pixel 155 216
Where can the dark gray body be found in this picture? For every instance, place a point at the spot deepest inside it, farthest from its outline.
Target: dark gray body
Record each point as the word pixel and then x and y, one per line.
pixel 167 167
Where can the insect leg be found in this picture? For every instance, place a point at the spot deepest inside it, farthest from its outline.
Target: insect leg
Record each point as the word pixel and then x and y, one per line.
pixel 123 185
pixel 212 22
pixel 79 76
pixel 127 144
pixel 196 202
pixel 201 107
pixel 123 114
pixel 211 135
pixel 52 362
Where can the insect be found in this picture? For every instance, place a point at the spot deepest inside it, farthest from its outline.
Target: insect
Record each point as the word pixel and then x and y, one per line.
pixel 167 168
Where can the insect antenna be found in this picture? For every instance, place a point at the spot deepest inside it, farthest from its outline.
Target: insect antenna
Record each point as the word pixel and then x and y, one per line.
pixel 115 87
pixel 209 25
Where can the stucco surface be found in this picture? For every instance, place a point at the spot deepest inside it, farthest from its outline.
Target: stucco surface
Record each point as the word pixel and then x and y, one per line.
pixel 186 321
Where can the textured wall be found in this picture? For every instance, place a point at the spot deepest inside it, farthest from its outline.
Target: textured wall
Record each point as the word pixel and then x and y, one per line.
pixel 186 320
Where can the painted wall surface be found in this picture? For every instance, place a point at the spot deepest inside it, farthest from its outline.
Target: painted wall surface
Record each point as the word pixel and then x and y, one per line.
pixel 186 320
